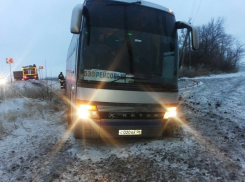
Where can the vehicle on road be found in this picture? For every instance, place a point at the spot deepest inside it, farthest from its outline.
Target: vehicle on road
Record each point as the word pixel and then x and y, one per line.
pixel 122 68
pixel 2 81
pixel 30 72
pixel 18 75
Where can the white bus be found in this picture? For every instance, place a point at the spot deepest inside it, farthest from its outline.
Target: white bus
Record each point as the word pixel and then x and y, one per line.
pixel 122 68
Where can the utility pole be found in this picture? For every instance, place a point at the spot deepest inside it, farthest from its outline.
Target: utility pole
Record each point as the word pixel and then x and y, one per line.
pixel 46 69
pixel 10 73
pixel 10 61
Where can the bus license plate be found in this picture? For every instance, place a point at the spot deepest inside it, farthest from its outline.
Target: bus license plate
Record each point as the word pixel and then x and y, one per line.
pixel 130 132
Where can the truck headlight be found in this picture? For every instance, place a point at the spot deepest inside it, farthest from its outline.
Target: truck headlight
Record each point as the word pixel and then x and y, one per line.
pixel 171 112
pixel 88 111
pixel 2 81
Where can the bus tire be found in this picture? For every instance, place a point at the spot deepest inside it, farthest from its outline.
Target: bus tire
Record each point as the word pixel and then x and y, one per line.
pixel 69 121
pixel 77 131
pixel 171 126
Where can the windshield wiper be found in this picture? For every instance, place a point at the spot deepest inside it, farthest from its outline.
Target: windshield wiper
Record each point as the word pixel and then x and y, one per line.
pixel 129 76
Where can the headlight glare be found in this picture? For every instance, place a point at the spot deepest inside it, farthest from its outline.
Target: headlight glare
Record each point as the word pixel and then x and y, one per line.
pixel 88 111
pixel 171 112
pixel 2 81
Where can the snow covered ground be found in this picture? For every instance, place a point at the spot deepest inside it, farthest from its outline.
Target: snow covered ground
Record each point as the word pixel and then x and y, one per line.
pixel 208 145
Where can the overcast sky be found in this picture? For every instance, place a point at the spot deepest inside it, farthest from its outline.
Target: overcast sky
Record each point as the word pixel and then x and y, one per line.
pixel 38 31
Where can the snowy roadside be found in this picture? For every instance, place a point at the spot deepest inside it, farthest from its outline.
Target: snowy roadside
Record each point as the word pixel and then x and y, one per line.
pixel 209 145
pixel 215 112
pixel 27 125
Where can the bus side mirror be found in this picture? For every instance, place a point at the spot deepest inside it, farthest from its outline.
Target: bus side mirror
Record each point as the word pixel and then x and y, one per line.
pixel 76 19
pixel 194 33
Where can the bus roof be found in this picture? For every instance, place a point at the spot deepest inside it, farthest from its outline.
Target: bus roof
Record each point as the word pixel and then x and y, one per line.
pixel 142 3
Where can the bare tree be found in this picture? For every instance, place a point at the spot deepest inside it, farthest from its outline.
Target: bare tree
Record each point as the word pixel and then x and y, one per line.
pixel 218 51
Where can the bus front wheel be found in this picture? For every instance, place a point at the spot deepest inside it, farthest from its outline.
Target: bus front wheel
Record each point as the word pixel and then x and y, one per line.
pixel 78 131
pixel 69 120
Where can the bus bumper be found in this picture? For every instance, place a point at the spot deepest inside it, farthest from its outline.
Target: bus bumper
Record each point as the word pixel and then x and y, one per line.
pixel 95 129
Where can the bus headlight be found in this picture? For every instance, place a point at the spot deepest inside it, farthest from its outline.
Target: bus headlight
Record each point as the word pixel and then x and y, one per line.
pixel 171 112
pixel 88 111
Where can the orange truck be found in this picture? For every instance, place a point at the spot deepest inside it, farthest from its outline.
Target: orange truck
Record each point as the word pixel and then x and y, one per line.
pixel 30 72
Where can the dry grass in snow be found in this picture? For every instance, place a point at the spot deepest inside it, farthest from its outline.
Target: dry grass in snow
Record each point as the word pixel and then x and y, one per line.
pixel 41 100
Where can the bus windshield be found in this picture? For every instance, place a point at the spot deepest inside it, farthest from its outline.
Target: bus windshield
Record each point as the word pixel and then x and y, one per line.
pixel 128 39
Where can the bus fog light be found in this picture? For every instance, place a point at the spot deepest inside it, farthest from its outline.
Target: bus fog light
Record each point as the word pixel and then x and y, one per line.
pixel 94 114
pixel 171 112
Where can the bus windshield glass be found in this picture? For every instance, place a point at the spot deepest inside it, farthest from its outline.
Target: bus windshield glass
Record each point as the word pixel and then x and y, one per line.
pixel 121 39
